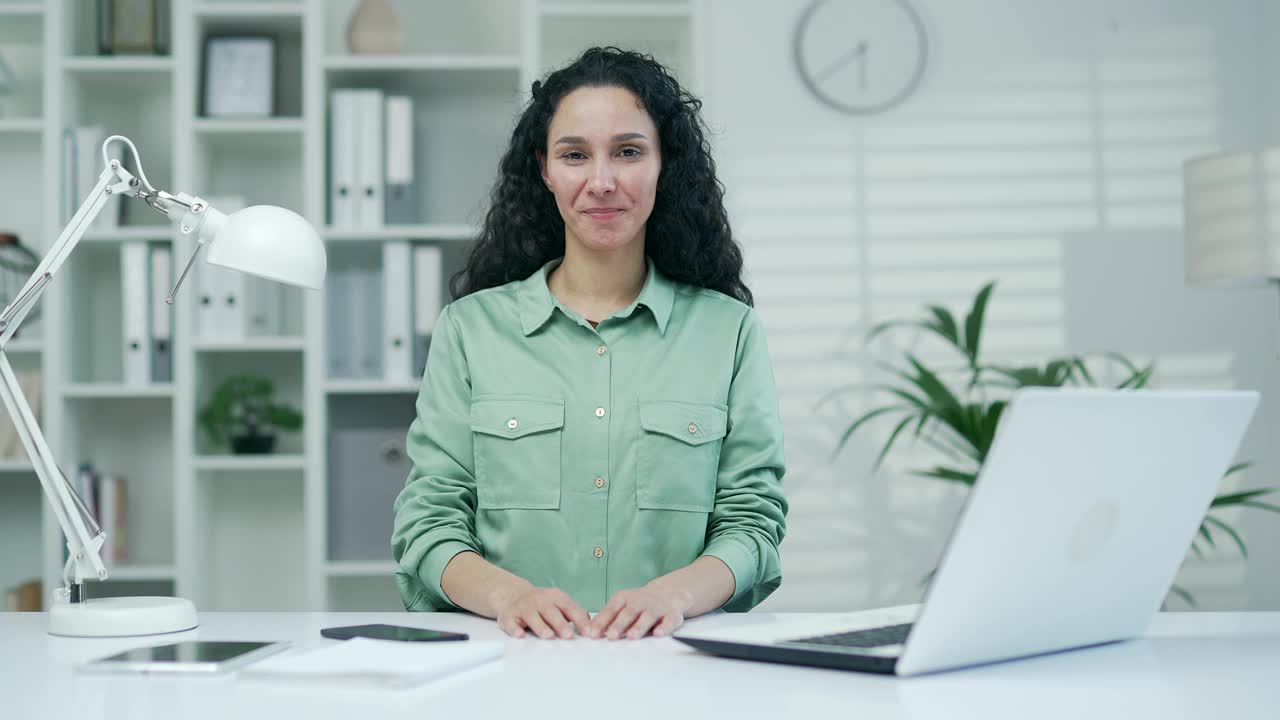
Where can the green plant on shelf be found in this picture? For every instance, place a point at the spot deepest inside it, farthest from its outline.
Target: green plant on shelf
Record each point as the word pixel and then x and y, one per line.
pixel 956 410
pixel 242 414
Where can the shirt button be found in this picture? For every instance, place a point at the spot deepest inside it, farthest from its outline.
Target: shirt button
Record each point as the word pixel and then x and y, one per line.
pixel 600 350
pixel 599 482
pixel 599 552
pixel 599 412
pixel 693 428
pixel 512 424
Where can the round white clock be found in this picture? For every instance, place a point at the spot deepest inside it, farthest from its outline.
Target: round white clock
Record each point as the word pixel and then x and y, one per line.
pixel 861 56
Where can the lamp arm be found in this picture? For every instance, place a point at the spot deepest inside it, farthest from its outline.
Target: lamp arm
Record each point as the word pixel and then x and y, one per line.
pixel 84 536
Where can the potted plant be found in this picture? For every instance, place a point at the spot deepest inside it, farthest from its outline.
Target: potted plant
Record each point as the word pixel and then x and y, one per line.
pixel 241 414
pixel 956 410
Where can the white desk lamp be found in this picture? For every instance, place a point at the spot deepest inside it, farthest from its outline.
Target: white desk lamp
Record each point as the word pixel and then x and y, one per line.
pixel 266 241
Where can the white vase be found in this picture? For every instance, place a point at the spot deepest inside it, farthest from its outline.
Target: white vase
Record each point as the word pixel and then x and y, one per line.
pixel 374 29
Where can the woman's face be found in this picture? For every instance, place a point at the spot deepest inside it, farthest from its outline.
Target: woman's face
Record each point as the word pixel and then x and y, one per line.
pixel 602 165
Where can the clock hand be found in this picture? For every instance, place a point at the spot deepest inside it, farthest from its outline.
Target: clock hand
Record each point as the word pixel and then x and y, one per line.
pixel 843 60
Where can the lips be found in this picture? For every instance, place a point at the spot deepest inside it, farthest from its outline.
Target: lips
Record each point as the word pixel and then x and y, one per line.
pixel 603 213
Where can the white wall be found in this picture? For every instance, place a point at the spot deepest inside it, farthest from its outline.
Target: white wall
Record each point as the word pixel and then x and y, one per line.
pixel 1043 149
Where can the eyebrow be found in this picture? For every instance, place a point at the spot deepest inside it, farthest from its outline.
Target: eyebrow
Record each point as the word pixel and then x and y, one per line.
pixel 578 140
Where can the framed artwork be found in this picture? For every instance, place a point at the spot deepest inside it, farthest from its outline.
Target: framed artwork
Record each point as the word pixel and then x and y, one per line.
pixel 239 76
pixel 132 26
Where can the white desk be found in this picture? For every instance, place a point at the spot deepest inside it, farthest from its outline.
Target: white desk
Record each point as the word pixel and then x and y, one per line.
pixel 1191 665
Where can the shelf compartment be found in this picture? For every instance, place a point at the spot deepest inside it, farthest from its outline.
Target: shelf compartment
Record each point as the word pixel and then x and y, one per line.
pixel 250 543
pixel 283 368
pixel 284 27
pixel 22 42
pixel 131 438
pixel 21 505
pixel 363 593
pixel 461 126
pixel 491 27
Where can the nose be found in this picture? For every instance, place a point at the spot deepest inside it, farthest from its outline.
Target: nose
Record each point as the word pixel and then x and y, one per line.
pixel 602 180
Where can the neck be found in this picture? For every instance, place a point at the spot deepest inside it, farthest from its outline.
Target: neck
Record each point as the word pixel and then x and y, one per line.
pixel 597 284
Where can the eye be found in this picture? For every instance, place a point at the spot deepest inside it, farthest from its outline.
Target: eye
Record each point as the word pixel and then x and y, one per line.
pixel 630 152
pixel 573 155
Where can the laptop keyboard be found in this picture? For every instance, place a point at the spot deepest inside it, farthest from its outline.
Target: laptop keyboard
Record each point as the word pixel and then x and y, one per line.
pixel 874 637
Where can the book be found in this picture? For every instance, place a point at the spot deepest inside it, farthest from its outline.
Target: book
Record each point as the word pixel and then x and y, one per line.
pixel 26 597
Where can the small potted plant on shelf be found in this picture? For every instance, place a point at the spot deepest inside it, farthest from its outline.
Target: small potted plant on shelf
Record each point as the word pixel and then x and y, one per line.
pixel 242 415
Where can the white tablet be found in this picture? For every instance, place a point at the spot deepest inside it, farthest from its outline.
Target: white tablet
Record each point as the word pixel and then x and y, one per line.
pixel 198 656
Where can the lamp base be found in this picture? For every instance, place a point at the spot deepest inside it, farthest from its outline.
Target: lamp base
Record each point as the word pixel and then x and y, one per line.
pixel 122 617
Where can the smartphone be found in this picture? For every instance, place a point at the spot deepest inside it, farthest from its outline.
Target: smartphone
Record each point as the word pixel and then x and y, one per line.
pixel 391 632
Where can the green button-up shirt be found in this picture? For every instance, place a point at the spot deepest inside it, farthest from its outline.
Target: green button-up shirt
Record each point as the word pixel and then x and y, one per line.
pixel 594 459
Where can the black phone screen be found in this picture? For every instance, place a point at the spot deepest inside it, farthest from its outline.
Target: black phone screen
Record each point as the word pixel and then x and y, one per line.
pixel 390 632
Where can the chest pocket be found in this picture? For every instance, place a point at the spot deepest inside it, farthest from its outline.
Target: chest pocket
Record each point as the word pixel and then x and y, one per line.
pixel 517 451
pixel 679 455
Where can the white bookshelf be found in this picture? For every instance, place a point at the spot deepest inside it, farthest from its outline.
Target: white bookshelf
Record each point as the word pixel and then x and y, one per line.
pixel 236 532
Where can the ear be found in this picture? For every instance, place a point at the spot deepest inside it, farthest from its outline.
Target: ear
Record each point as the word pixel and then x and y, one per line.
pixel 542 167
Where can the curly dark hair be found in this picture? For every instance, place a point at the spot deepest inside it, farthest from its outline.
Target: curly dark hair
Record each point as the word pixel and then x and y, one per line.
pixel 687 235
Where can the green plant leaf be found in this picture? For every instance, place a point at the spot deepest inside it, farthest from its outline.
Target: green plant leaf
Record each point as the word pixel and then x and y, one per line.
pixel 1239 497
pixel 1208 537
pixel 944 325
pixel 973 323
pixel 1187 597
pixel 848 433
pixel 1260 506
pixel 1237 468
pixel 1244 551
pixel 893 437
pixel 949 474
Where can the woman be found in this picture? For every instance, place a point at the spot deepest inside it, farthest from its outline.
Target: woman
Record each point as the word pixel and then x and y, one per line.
pixel 597 428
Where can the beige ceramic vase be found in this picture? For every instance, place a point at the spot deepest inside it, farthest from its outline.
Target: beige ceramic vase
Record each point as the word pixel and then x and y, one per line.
pixel 374 29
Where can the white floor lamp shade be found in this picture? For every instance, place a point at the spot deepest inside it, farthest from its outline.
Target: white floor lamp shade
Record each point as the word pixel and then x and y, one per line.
pixel 1232 216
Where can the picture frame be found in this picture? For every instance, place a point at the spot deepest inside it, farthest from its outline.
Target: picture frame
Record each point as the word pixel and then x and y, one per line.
pixel 239 78
pixel 133 27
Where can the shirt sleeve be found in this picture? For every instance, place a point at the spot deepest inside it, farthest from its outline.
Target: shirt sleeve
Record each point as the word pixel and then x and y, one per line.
pixel 749 518
pixel 435 513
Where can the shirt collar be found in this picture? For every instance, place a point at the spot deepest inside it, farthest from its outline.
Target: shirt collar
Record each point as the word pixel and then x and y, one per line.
pixel 537 303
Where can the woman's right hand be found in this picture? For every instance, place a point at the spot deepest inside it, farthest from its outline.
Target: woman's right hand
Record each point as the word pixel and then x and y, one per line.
pixel 545 612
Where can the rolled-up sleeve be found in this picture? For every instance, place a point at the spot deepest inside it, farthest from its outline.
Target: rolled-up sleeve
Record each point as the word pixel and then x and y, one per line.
pixel 435 513
pixel 748 521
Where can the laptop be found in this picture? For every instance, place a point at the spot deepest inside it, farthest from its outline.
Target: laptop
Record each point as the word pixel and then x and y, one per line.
pixel 1070 537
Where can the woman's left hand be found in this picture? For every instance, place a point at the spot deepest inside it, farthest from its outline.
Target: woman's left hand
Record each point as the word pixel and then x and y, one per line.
pixel 640 611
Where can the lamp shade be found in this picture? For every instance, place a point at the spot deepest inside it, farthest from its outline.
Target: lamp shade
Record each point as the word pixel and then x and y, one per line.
pixel 270 242
pixel 1231 206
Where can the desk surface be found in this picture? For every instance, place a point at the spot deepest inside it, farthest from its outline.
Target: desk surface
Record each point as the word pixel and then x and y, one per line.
pixel 1192 665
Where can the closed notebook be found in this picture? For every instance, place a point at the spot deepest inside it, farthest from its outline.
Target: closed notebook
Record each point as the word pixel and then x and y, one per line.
pixel 388 663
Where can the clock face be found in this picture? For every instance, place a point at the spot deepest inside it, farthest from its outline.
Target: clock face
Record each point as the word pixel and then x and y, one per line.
pixel 860 56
